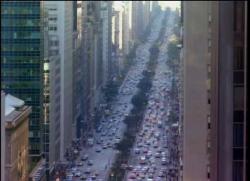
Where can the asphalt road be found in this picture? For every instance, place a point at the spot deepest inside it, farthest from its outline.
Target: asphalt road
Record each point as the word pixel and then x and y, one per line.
pixel 113 127
pixel 150 158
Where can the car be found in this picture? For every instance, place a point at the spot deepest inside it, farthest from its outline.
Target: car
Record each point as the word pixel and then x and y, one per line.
pixel 98 150
pixel 85 157
pixel 142 176
pixel 98 142
pixel 74 169
pixel 93 177
pixel 79 164
pixel 137 151
pixel 99 129
pixel 130 167
pixel 163 161
pixel 157 155
pixel 87 171
pixel 96 173
pixel 150 176
pixel 91 141
pixel 83 177
pixel 70 175
pixel 142 160
pixel 90 162
pixel 161 174
pixel 132 176
pixel 78 174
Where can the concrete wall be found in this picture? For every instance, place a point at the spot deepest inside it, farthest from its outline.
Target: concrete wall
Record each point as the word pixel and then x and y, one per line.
pixel 64 34
pixel 214 90
pixel 195 91
pixel 225 90
pixel 2 136
pixel 17 150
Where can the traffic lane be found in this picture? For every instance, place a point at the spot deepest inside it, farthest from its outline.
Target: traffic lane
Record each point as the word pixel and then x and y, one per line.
pixel 153 129
pixel 91 153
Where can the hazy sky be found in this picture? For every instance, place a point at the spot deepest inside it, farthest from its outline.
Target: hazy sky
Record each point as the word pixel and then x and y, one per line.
pixel 171 4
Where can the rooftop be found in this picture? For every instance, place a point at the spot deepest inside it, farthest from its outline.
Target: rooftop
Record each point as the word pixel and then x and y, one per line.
pixel 11 103
pixel 15 111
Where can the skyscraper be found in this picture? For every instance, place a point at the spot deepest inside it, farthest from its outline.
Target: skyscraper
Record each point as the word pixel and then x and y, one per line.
pixel 106 16
pixel 137 20
pixel 59 76
pixel 146 13
pixel 215 125
pixel 78 70
pixel 92 60
pixel 22 60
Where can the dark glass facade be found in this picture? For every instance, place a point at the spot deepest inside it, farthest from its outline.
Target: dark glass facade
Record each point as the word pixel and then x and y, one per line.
pixel 21 61
pixel 239 94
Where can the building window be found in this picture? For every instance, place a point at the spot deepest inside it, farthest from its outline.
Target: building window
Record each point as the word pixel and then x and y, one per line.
pixel 237 170
pixel 237 153
pixel 53 43
pixel 209 125
pixel 209 18
pixel 239 58
pixel 238 135
pixel 53 18
pixel 238 77
pixel 209 43
pixel 52 28
pixel 239 98
pixel 53 52
pixel 238 15
pixel 238 116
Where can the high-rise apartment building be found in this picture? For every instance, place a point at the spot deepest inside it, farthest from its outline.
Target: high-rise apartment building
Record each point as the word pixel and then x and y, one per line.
pixel 154 8
pixel 58 78
pixel 78 71
pixel 146 13
pixel 127 27
pixel 106 16
pixel 215 124
pixel 92 60
pixel 22 61
pixel 195 54
pixel 118 31
pixel 137 20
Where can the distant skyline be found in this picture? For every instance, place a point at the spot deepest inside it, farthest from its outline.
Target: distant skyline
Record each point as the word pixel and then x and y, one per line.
pixel 171 4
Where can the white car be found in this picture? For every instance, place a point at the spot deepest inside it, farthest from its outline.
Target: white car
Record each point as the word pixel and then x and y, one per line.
pixel 87 171
pixel 78 174
pixel 79 164
pixel 74 169
pixel 142 160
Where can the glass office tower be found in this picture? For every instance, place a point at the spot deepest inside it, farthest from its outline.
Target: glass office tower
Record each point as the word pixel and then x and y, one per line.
pixel 21 61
